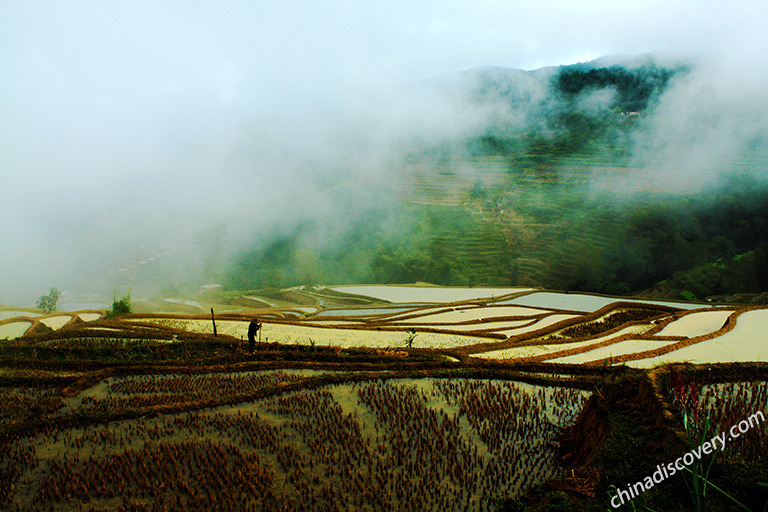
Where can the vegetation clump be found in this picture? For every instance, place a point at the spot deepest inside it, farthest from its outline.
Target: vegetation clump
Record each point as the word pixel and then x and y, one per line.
pixel 49 302
pixel 120 306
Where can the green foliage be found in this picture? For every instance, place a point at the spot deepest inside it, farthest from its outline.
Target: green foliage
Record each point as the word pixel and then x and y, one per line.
pixel 635 88
pixel 49 302
pixel 442 245
pixel 540 220
pixel 698 478
pixel 742 273
pixel 120 306
pixel 692 242
pixel 688 295
pixel 576 239
pixel 479 191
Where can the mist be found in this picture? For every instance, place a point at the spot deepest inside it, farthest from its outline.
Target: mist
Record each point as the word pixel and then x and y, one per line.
pixel 125 130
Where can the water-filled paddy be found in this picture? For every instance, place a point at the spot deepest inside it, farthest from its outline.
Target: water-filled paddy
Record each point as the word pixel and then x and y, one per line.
pixel 485 326
pixel 696 324
pixel 529 350
pixel 236 328
pixel 582 302
pixel 89 317
pixel 4 315
pixel 427 293
pixel 426 444
pixel 617 349
pixel 365 311
pixel 385 325
pixel 290 334
pixel 13 330
pixel 748 341
pixel 464 314
pixel 540 324
pixel 56 322
pixel 145 390
pixel 551 348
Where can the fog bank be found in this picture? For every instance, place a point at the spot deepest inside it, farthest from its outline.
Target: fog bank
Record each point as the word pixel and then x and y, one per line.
pixel 127 129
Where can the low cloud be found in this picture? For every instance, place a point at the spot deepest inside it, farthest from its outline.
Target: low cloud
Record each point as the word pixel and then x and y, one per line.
pixel 124 127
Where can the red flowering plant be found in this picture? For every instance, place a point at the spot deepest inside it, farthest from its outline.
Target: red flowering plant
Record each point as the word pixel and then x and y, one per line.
pixel 686 396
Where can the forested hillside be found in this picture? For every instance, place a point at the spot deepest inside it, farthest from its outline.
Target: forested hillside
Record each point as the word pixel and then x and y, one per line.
pixel 550 192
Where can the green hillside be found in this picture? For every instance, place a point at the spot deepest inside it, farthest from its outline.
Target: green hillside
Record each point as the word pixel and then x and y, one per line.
pixel 529 205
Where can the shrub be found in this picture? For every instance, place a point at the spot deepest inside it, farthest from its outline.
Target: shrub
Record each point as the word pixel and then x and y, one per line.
pixel 688 295
pixel 120 306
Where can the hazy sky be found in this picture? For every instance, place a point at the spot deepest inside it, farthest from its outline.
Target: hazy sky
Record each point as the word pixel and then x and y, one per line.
pixel 120 122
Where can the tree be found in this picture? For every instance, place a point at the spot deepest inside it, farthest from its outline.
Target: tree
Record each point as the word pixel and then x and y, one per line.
pixel 120 306
pixel 48 302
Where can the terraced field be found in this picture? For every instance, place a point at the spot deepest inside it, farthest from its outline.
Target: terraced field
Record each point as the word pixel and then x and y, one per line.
pixel 19 323
pixel 558 327
pixel 446 399
pixel 521 218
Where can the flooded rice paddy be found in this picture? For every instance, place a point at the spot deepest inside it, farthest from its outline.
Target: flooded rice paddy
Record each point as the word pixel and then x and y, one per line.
pixel 399 444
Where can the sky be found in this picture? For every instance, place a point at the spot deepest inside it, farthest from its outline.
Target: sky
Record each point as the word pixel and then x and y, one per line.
pixel 124 123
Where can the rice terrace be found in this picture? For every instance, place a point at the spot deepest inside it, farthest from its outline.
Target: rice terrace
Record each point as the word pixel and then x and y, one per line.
pixel 383 256
pixel 380 398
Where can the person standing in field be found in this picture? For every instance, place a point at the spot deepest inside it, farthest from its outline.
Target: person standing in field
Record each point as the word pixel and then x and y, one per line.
pixel 253 328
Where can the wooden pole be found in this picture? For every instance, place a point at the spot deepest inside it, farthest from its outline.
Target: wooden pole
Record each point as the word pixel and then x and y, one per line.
pixel 214 323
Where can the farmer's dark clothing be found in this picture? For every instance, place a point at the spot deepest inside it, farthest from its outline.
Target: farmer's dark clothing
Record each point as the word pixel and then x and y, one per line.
pixel 253 328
